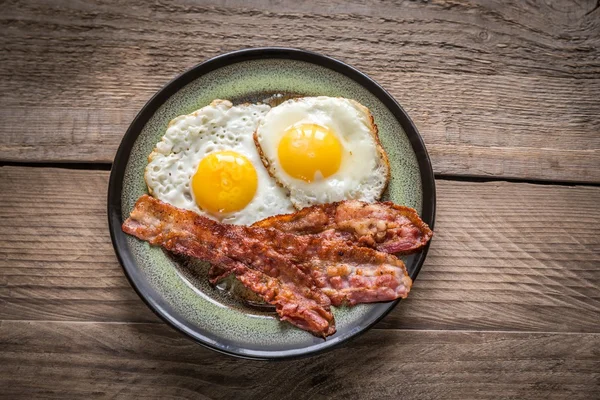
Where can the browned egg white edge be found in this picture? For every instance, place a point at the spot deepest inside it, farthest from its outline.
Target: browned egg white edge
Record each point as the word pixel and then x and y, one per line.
pixel 374 131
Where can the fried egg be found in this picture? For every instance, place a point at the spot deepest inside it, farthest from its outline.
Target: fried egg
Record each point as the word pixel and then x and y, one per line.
pixel 207 162
pixel 323 149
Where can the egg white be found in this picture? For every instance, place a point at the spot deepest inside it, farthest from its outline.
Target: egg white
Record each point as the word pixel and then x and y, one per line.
pixel 364 170
pixel 189 138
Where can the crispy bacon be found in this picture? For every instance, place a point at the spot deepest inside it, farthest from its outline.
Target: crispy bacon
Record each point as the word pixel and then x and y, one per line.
pixel 301 275
pixel 386 227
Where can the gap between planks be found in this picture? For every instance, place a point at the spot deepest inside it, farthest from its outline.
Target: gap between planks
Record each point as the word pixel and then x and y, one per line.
pixel 93 166
pixel 160 322
pixel 150 360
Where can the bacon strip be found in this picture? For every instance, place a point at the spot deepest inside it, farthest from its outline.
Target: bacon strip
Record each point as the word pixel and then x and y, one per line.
pixel 386 227
pixel 301 275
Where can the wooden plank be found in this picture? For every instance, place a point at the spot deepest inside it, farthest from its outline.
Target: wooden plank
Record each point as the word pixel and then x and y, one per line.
pixel 505 256
pixel 509 256
pixel 91 360
pixel 56 259
pixel 89 134
pixel 495 90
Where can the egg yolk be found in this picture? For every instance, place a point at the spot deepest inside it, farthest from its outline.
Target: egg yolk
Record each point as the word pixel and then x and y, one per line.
pixel 309 151
pixel 224 182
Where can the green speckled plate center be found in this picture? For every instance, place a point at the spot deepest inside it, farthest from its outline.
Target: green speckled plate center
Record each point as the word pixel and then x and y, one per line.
pixel 178 291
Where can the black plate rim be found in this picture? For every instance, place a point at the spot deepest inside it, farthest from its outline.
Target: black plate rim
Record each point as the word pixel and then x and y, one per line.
pixel 117 173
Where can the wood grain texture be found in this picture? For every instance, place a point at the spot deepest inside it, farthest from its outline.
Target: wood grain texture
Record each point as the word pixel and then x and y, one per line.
pixel 101 360
pixel 505 256
pixel 496 88
pixel 56 259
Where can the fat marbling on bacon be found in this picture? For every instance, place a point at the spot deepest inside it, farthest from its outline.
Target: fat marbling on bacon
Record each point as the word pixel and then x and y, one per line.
pixel 384 226
pixel 301 275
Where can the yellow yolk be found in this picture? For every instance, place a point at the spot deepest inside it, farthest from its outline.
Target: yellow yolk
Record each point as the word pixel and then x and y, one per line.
pixel 309 151
pixel 225 181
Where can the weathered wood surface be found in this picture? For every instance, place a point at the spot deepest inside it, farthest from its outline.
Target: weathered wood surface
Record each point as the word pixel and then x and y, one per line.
pixel 496 89
pixel 505 256
pixel 103 360
pixel 507 304
pixel 56 258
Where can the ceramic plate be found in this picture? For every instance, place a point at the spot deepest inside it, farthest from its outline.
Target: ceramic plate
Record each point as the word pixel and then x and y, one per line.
pixel 177 290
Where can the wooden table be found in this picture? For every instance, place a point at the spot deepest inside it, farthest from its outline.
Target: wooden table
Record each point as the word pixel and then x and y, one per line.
pixel 507 98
